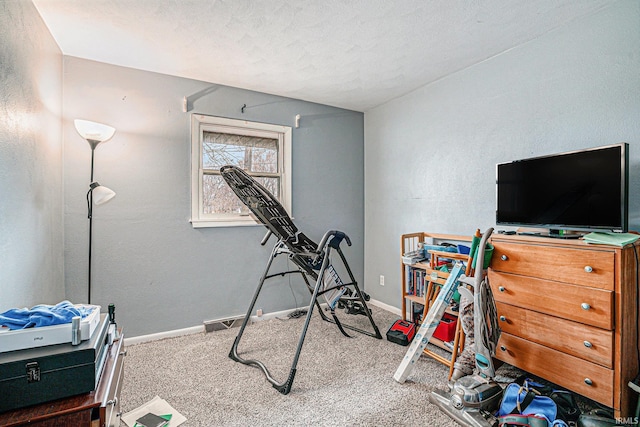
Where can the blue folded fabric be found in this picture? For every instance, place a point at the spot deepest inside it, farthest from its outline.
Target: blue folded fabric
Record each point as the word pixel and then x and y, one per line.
pixel 42 315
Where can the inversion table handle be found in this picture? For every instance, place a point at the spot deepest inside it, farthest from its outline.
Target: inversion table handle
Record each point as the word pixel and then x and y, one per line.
pixel 266 237
pixel 338 236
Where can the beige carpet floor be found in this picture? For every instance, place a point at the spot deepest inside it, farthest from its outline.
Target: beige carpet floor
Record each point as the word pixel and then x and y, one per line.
pixel 340 381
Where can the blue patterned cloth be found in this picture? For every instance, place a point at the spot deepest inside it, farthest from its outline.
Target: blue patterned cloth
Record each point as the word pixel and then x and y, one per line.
pixel 42 315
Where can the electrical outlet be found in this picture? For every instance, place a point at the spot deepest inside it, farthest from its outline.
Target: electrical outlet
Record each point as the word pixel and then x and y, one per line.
pixel 259 312
pixel 381 280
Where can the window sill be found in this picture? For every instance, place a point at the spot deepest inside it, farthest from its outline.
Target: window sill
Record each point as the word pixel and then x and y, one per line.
pixel 208 223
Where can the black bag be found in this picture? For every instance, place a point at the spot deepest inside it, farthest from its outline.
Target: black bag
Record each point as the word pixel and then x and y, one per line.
pixel 598 418
pixel 401 332
pixel 568 410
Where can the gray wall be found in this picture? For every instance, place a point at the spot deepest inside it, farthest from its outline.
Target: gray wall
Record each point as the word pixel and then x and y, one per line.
pixel 161 273
pixel 31 224
pixel 430 156
pixel 429 166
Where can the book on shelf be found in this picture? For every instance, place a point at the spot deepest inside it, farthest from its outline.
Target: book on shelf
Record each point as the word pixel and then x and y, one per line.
pixel 416 281
pixel 408 280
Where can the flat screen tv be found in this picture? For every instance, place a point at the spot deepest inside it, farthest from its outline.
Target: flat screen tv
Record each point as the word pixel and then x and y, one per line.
pixel 584 190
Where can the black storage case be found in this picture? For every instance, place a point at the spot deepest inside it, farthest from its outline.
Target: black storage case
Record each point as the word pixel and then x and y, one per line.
pixel 38 375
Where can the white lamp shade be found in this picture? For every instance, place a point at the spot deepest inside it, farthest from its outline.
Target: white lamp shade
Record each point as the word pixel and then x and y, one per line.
pixel 93 131
pixel 102 194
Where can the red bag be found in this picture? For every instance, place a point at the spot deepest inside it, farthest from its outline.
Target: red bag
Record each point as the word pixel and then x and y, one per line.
pixel 401 332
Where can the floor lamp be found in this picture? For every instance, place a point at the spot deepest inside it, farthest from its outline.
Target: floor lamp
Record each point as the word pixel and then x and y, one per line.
pixel 94 133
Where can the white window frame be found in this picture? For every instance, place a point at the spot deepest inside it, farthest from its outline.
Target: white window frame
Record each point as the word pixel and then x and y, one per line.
pixel 201 123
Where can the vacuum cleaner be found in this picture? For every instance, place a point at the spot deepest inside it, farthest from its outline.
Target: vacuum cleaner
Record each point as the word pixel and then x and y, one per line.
pixel 473 399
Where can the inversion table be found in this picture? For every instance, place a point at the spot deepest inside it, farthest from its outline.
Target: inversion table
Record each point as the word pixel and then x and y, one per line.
pixel 312 261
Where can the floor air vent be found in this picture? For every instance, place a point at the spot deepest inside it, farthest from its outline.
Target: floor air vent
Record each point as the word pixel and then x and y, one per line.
pixel 222 324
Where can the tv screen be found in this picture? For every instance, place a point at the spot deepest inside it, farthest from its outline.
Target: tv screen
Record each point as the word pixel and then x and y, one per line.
pixel 584 190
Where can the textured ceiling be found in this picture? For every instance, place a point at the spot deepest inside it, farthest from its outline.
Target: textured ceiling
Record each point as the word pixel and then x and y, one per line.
pixel 354 54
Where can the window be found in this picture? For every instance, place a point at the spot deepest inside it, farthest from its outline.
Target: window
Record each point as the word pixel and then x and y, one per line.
pixel 262 150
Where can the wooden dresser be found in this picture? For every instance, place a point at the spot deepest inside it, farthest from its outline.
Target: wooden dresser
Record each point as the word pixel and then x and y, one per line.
pixel 100 408
pixel 568 313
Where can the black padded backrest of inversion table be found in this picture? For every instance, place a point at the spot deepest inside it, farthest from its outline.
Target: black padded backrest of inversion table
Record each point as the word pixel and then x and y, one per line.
pixel 267 209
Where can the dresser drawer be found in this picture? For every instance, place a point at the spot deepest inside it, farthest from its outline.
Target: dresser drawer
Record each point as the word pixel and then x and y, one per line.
pixel 583 341
pixel 577 303
pixel 593 268
pixel 559 368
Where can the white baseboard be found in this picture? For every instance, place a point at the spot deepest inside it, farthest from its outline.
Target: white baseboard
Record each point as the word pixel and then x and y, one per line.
pixel 387 307
pixel 161 335
pixel 267 316
pixel 277 314
pixel 201 328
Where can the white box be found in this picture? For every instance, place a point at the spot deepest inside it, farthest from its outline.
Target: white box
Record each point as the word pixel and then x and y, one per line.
pixel 21 339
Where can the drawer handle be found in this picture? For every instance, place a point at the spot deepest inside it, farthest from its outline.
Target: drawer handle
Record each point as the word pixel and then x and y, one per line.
pixel 503 348
pixel 585 306
pixel 588 269
pixel 112 402
pixel 588 344
pixel 587 381
pixel 501 288
pixel 503 319
pixel 504 257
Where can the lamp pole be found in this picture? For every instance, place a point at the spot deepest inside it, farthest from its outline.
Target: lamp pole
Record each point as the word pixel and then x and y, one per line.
pixel 94 133
pixel 93 145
